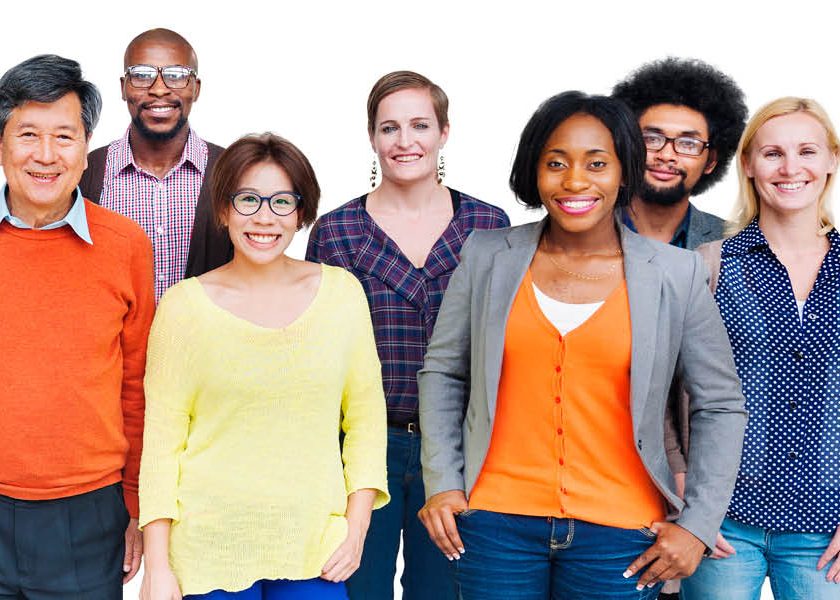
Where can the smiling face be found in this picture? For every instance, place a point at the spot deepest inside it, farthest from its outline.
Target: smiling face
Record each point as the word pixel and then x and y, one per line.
pixel 579 175
pixel 159 113
pixel 43 150
pixel 407 138
pixel 789 161
pixel 263 237
pixel 670 177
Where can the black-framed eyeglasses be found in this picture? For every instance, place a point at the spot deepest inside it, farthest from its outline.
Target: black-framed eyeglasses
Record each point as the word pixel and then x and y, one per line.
pixel 280 203
pixel 688 146
pixel 175 77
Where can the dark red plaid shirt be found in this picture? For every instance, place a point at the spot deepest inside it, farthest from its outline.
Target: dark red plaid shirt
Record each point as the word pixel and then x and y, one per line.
pixel 404 300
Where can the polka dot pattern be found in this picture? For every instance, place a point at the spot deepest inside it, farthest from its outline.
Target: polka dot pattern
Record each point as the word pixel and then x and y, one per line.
pixel 789 478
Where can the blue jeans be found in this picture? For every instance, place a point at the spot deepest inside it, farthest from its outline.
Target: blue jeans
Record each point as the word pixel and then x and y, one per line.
pixel 281 589
pixel 426 575
pixel 538 558
pixel 788 558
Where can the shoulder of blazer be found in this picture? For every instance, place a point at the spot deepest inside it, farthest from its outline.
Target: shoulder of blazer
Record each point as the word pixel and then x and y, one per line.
pixel 93 179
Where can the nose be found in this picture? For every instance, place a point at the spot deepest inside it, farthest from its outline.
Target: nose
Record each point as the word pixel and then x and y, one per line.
pixel 264 214
pixel 666 153
pixel 405 137
pixel 789 165
pixel 158 86
pixel 45 152
pixel 576 180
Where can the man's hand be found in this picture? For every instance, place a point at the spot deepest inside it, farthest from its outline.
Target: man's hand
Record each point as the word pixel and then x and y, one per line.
pixel 832 553
pixel 722 549
pixel 675 554
pixel 133 550
pixel 438 516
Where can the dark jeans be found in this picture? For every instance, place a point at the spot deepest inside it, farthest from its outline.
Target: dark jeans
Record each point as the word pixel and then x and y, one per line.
pixel 65 548
pixel 426 575
pixel 514 557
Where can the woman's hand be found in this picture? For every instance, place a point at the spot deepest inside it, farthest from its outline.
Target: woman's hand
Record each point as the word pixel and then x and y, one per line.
pixel 675 554
pixel 832 553
pixel 438 516
pixel 348 556
pixel 159 584
pixel 722 549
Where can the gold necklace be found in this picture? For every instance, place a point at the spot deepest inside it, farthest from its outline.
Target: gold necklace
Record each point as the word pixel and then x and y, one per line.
pixel 584 276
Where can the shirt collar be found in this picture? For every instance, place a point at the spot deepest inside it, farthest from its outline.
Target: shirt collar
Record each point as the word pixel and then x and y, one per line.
pixel 751 238
pixel 195 153
pixel 680 235
pixel 76 217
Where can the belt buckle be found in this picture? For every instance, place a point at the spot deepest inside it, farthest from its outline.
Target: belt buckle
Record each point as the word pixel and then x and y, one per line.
pixel 413 428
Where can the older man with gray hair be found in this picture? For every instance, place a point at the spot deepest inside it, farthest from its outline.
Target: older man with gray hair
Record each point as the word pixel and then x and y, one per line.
pixel 76 304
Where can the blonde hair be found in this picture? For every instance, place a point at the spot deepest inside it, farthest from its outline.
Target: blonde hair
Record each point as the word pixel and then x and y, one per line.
pixel 747 205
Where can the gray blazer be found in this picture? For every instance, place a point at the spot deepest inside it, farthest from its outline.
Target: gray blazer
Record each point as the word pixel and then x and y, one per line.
pixel 675 327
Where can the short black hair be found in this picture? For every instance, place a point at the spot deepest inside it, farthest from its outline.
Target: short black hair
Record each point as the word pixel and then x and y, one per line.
pixel 623 126
pixel 47 78
pixel 699 86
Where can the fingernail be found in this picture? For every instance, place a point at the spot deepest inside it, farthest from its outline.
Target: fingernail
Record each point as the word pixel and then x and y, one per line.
pixel 627 574
pixel 639 588
pixel 449 557
pixel 457 557
pixel 651 584
pixel 461 550
pixel 126 568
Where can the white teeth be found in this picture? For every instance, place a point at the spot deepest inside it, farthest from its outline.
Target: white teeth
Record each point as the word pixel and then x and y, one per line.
pixel 409 158
pixel 792 186
pixel 578 203
pixel 43 175
pixel 160 109
pixel 262 238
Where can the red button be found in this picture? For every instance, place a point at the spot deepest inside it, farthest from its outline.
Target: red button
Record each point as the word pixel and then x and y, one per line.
pixel 559 431
pixel 557 399
pixel 557 369
pixel 565 491
pixel 561 461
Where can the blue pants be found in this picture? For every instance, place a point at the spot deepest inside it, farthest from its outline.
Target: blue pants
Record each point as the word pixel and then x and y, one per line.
pixel 426 575
pixel 788 558
pixel 514 557
pixel 283 589
pixel 65 548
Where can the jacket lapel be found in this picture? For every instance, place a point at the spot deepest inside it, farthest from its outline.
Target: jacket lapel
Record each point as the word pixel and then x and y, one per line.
pixel 644 290
pixel 508 270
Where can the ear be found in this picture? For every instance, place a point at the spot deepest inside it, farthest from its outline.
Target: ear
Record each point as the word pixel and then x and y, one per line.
pixel 711 163
pixel 832 168
pixel 444 135
pixel 122 88
pixel 745 165
pixel 197 89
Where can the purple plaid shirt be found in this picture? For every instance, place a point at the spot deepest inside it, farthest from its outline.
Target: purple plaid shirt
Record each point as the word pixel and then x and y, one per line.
pixel 164 208
pixel 404 300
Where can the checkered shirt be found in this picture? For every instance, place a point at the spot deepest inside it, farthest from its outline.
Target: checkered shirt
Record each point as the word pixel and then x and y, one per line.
pixel 404 300
pixel 164 208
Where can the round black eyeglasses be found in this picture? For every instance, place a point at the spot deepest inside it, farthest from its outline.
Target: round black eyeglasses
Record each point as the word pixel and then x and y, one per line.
pixel 280 203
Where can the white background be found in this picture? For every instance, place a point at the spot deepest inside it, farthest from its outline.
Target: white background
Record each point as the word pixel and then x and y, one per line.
pixel 304 69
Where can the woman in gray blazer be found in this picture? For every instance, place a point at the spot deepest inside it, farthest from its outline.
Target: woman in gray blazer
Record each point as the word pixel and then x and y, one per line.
pixel 543 393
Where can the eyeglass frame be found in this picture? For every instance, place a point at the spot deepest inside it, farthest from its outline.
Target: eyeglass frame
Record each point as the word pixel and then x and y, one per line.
pixel 672 141
pixel 266 199
pixel 191 73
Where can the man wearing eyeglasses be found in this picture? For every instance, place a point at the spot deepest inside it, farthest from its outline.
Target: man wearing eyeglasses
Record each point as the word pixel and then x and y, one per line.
pixel 691 116
pixel 158 173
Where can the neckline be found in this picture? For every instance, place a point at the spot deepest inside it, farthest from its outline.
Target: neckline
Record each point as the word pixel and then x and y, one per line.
pixel 244 323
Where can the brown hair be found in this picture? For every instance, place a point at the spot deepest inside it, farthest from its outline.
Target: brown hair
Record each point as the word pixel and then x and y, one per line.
pixel 253 149
pixel 404 80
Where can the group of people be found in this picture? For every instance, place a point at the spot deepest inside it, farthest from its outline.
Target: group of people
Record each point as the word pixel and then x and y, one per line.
pixel 573 408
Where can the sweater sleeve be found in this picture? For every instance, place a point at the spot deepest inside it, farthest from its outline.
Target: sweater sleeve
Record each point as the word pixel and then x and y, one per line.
pixel 135 333
pixel 170 391
pixel 363 404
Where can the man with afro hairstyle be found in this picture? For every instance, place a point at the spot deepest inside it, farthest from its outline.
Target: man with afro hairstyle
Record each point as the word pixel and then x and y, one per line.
pixel 691 116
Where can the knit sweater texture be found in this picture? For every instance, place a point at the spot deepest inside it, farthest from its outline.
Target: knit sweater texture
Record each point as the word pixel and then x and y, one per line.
pixel 75 319
pixel 242 434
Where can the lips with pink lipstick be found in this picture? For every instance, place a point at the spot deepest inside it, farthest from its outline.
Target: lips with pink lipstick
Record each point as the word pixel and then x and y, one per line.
pixel 576 205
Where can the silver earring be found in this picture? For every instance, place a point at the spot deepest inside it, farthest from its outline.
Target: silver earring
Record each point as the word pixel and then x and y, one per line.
pixel 441 170
pixel 373 175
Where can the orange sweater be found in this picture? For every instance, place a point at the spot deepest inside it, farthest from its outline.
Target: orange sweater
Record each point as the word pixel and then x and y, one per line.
pixel 562 442
pixel 74 319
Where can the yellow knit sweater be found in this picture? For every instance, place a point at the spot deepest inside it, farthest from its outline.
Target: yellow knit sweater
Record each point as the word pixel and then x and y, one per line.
pixel 241 445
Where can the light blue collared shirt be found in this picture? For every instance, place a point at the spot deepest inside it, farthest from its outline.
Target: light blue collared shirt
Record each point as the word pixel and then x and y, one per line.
pixel 76 217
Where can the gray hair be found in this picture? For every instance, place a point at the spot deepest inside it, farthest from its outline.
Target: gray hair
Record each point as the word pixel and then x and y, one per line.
pixel 47 78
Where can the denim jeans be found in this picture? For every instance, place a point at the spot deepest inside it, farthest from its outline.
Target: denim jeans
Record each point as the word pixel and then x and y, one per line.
pixel 537 558
pixel 426 574
pixel 788 558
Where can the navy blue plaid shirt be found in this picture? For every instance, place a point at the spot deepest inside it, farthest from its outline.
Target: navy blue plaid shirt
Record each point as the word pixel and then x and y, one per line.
pixel 789 478
pixel 404 300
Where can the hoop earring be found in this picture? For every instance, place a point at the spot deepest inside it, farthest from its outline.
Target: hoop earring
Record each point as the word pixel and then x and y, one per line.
pixel 441 169
pixel 373 174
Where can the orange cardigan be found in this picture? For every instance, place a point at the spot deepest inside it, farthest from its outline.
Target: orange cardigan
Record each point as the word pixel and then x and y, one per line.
pixel 562 442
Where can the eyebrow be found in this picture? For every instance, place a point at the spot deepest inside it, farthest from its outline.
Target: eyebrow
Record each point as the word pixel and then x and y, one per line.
pixel 686 133
pixel 27 125
pixel 588 152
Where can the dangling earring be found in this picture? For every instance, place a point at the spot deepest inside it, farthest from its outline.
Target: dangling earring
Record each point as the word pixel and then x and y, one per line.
pixel 441 170
pixel 373 175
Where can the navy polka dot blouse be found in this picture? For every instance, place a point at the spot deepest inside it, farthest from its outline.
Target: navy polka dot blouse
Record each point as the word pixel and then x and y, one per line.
pixel 789 478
